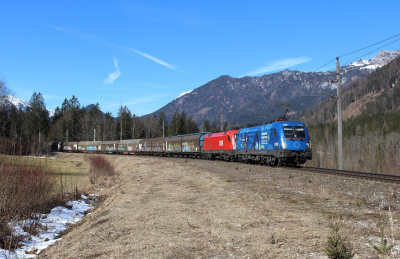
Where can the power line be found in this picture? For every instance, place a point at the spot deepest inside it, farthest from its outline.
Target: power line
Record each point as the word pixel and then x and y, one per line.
pixel 362 49
pixel 244 103
pixel 324 65
pixel 371 51
pixel 370 46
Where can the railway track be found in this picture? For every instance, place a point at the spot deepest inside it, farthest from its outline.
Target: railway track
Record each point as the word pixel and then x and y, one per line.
pixel 354 174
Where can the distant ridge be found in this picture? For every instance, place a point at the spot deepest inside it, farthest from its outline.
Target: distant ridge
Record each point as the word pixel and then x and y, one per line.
pixel 252 99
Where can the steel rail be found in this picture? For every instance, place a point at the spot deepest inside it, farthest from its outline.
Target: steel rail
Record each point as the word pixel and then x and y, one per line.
pixel 354 174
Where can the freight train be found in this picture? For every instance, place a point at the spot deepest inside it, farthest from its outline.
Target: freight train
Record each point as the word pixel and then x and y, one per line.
pixel 278 143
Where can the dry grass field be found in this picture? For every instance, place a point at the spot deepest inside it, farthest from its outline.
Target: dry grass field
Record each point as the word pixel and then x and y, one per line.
pixel 189 208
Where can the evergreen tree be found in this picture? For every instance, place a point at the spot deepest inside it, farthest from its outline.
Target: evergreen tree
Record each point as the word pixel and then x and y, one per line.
pixel 163 123
pixel 183 124
pixel 191 126
pixel 37 116
pixel 175 126
pixel 226 127
pixel 96 121
pixel 71 118
pixel 214 127
pixel 124 117
pixel 206 126
pixel 37 124
pixel 109 127
pixel 137 127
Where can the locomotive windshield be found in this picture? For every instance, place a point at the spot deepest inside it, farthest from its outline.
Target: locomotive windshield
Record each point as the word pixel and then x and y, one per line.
pixel 294 132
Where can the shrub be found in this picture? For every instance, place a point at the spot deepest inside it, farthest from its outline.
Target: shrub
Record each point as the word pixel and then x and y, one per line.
pixel 24 189
pixel 337 246
pixel 384 248
pixel 100 167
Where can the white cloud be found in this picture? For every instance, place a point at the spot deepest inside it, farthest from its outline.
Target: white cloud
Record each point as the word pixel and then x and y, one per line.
pixel 114 75
pixel 126 49
pixel 158 61
pixel 277 65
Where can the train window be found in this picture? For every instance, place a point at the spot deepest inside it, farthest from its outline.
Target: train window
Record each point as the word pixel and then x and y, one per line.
pixel 229 138
pixel 274 132
pixel 294 133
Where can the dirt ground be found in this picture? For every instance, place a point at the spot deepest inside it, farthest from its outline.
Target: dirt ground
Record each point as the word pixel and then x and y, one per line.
pixel 191 208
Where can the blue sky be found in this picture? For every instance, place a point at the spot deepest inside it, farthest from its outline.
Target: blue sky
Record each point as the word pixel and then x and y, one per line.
pixel 142 54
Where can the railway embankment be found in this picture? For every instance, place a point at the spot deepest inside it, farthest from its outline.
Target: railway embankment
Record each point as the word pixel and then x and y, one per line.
pixel 187 208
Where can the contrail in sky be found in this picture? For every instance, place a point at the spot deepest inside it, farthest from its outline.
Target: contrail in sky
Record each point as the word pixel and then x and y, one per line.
pixel 114 75
pixel 278 64
pixel 126 49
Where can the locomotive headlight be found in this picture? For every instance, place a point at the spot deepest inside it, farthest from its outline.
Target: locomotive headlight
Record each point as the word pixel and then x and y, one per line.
pixel 308 144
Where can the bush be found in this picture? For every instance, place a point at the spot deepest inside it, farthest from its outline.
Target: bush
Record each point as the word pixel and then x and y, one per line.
pixel 24 189
pixel 337 246
pixel 100 168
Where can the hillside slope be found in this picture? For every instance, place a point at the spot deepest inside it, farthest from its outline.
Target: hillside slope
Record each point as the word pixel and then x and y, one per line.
pixel 252 99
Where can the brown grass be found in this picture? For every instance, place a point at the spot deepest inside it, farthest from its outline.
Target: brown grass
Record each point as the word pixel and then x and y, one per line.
pixel 169 208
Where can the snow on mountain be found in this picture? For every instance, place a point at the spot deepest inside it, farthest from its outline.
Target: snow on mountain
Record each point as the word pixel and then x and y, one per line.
pixel 382 58
pixel 18 103
pixel 182 94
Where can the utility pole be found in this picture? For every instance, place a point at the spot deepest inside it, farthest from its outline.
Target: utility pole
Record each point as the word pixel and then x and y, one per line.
pixel 222 118
pixel 163 129
pixel 67 135
pixel 339 110
pixel 121 126
pixel 94 139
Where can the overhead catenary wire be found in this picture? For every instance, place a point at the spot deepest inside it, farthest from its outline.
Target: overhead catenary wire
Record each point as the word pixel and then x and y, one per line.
pixel 352 52
pixel 371 45
pixel 243 103
pixel 371 51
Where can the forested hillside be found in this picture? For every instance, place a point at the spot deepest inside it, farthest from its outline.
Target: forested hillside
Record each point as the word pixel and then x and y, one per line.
pixel 371 139
pixel 29 132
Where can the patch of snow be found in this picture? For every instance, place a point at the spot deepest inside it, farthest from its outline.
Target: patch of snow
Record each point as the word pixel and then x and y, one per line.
pixel 324 85
pixel 182 94
pixel 382 58
pixel 21 104
pixel 371 67
pixel 54 223
pixel 51 157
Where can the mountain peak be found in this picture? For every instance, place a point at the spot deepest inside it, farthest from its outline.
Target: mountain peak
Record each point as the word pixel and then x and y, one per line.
pixel 21 104
pixel 382 58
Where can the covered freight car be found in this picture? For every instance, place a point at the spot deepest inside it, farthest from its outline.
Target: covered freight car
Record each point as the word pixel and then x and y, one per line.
pixel 88 146
pixel 192 144
pixel 158 145
pixel 129 146
pixel 70 146
pixel 108 146
pixel 174 145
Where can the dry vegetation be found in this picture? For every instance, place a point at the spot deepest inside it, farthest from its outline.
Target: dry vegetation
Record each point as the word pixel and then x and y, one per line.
pixel 29 186
pixel 188 208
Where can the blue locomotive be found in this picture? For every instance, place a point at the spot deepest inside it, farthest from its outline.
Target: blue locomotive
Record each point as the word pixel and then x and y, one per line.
pixel 280 142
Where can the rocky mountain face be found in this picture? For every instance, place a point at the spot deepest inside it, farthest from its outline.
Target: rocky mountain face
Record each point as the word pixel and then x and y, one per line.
pixel 252 99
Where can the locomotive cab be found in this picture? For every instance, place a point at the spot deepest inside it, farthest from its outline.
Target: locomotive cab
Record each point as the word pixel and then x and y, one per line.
pixel 295 141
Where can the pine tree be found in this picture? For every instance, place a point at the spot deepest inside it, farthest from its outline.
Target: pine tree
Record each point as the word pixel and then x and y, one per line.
pixel 206 126
pixel 183 124
pixel 37 119
pixel 175 125
pixel 163 123
pixel 124 117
